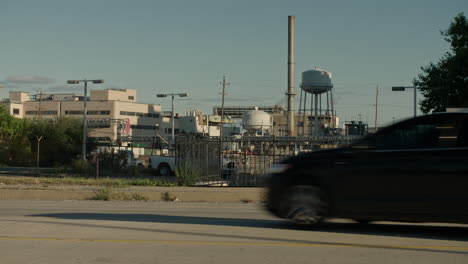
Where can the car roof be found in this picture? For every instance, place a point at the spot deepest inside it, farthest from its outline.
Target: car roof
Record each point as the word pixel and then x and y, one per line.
pixel 422 117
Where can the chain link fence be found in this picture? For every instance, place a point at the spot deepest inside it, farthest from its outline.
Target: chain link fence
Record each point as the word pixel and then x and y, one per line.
pixel 244 161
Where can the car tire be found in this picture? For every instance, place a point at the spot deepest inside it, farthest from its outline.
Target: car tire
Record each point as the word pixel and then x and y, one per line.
pixel 164 170
pixel 304 205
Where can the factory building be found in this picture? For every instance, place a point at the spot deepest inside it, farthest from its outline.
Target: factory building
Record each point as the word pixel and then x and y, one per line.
pixel 113 115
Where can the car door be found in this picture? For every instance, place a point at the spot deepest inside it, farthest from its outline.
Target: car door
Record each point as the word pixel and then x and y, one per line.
pixel 362 183
pixel 448 199
pixel 395 173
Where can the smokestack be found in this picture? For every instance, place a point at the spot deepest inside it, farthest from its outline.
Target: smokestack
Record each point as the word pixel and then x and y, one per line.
pixel 291 126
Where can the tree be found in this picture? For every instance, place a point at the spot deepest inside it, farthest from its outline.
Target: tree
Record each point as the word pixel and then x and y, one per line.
pixel 15 148
pixel 61 139
pixel 445 83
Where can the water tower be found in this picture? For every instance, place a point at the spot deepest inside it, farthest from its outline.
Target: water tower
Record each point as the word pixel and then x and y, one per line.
pixel 316 82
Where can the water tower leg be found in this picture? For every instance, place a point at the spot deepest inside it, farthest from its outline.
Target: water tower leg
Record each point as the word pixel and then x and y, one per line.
pixel 298 120
pixel 327 114
pixel 320 104
pixel 320 109
pixel 311 113
pixel 333 113
pixel 304 113
pixel 316 115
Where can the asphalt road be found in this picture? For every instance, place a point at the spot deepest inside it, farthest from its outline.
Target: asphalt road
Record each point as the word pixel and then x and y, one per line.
pixel 172 232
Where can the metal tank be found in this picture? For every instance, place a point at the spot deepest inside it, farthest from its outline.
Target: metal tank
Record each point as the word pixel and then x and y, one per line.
pixel 255 121
pixel 316 81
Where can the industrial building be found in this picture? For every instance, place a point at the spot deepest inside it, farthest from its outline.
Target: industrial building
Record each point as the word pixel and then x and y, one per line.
pixel 113 115
pixel 236 112
pixel 253 120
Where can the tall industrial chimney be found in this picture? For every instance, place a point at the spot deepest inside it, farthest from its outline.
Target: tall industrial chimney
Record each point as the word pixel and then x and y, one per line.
pixel 290 93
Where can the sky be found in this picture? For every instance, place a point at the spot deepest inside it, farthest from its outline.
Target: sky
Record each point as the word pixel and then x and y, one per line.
pixel 188 46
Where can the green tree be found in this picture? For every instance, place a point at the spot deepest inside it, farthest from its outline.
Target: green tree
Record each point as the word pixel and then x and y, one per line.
pixel 445 83
pixel 15 148
pixel 61 139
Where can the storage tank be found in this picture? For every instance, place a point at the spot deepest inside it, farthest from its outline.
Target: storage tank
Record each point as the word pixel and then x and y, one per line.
pixel 255 121
pixel 316 81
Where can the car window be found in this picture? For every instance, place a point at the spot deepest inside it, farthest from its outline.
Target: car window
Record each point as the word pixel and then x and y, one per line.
pixel 424 133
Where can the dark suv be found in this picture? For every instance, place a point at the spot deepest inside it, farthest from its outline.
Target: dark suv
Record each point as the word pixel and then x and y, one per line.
pixel 412 171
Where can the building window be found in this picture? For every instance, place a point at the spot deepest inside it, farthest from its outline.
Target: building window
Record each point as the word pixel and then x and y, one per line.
pixel 105 112
pixel 73 112
pixel 92 112
pixel 153 115
pixel 146 127
pixel 16 111
pixel 49 112
pixel 131 98
pixel 41 112
pixel 100 138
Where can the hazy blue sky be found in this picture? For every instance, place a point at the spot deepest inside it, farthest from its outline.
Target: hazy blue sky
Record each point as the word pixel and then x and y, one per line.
pixel 187 46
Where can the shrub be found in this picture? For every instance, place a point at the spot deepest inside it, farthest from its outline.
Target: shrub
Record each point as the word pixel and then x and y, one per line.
pixel 187 175
pixel 103 194
pixel 108 194
pixel 168 197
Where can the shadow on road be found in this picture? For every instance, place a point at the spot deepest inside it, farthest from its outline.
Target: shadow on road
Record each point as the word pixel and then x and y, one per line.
pixel 454 233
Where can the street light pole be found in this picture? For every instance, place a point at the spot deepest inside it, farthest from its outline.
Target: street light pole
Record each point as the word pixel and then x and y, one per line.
pixel 402 88
pixel 172 109
pixel 414 89
pixel 172 117
pixel 85 125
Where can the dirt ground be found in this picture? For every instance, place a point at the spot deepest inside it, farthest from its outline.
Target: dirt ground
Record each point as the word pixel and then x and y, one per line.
pixel 185 194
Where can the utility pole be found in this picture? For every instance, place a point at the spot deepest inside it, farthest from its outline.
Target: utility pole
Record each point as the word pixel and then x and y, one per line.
pixel 376 107
pixel 224 84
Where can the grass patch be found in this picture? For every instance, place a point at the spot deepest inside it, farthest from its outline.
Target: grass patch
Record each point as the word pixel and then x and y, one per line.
pixel 138 197
pixel 168 197
pixel 103 194
pixel 109 194
pixel 107 182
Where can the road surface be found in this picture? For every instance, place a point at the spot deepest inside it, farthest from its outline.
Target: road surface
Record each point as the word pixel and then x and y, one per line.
pixel 171 232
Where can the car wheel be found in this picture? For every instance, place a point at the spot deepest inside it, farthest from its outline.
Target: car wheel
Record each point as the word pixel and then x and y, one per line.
pixel 304 205
pixel 164 170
